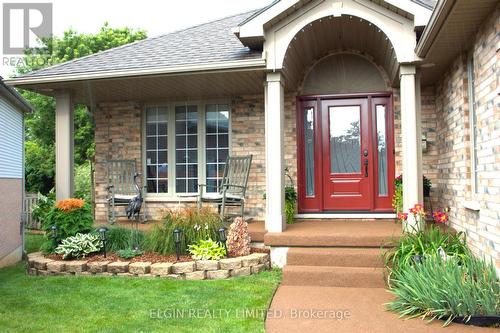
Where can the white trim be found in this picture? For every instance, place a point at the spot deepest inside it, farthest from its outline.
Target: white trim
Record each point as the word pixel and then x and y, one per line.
pixel 346 216
pixel 238 65
pixel 472 205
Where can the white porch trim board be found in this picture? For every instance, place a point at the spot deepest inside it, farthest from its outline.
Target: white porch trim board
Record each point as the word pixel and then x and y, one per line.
pixel 64 145
pixel 274 128
pixel 411 137
pixel 345 216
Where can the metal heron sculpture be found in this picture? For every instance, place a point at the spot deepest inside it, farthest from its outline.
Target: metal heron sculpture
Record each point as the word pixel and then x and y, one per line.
pixel 133 210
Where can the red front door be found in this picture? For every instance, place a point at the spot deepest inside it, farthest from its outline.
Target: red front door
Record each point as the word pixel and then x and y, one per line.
pixel 345 154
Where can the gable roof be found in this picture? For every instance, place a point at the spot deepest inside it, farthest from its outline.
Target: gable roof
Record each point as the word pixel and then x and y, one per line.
pixel 14 97
pixel 207 43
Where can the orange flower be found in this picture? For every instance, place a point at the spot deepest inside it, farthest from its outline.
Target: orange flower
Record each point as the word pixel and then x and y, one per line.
pixel 402 216
pixel 68 205
pixel 418 207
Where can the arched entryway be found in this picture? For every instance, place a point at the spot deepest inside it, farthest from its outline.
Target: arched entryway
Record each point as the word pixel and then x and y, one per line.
pixel 343 61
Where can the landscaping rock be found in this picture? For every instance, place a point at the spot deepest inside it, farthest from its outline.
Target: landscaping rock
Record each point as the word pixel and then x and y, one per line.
pixel 174 276
pixel 118 267
pixel 32 257
pixel 41 263
pixel 263 257
pixel 124 274
pixel 231 263
pixel 183 267
pixel 43 272
pixel 106 274
pixel 32 271
pixel 97 266
pixel 207 265
pixel 83 273
pixel 139 268
pixel 196 275
pixel 243 271
pixel 219 274
pixel 249 261
pixel 56 266
pixel 161 268
pixel 258 268
pixel 76 266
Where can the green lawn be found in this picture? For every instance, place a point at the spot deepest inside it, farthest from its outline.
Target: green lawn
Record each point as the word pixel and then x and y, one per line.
pixel 32 242
pixel 120 304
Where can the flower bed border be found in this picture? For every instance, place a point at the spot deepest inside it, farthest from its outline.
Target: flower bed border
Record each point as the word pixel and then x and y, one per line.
pixel 190 270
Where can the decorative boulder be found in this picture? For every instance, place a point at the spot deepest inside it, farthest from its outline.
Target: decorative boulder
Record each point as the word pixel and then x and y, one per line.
pixel 238 239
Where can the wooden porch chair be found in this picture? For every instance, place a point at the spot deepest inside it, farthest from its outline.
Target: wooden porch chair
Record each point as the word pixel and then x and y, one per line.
pixel 121 189
pixel 233 187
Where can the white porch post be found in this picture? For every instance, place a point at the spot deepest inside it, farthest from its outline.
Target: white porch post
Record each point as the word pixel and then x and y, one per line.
pixel 64 145
pixel 275 178
pixel 411 136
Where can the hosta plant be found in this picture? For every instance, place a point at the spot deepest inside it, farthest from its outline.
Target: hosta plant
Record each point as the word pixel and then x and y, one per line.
pixel 79 246
pixel 129 253
pixel 438 288
pixel 207 250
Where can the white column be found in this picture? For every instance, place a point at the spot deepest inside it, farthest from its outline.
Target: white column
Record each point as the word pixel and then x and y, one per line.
pixel 275 178
pixel 411 136
pixel 64 145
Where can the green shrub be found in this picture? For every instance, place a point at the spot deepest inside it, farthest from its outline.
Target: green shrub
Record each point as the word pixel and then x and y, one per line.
pixel 445 289
pixel 194 225
pixel 290 203
pixel 82 182
pixel 129 253
pixel 43 207
pixel 426 242
pixel 79 246
pixel 119 238
pixel 70 216
pixel 207 250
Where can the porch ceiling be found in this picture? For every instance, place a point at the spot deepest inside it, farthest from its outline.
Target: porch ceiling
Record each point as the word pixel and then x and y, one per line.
pixel 337 34
pixel 160 88
pixel 450 34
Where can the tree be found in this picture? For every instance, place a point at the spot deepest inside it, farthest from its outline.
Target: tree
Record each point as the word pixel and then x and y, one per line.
pixel 40 125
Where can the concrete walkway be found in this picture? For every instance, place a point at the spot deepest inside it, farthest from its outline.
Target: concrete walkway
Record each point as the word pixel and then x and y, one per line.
pixel 341 309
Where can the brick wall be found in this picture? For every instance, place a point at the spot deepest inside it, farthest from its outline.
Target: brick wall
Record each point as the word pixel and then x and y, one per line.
pixel 117 136
pixel 454 142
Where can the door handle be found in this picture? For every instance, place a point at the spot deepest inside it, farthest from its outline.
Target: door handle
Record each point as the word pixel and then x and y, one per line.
pixel 366 167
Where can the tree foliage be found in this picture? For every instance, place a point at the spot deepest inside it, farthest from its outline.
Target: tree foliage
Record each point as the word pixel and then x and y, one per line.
pixel 40 125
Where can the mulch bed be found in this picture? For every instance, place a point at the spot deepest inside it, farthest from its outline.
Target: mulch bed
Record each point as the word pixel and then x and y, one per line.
pixel 146 257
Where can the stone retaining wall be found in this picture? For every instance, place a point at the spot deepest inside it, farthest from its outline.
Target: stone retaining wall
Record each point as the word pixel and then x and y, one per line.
pixel 192 270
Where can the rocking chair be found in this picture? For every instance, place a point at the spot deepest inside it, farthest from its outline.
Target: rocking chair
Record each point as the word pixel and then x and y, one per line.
pixel 232 189
pixel 121 189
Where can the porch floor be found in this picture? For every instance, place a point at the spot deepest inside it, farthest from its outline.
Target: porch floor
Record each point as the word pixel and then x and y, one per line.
pixel 338 233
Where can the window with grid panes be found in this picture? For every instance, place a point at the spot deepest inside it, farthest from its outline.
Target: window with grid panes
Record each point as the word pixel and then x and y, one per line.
pixel 157 149
pixel 217 143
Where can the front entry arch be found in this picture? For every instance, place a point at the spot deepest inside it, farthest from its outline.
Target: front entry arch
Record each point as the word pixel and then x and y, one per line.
pixel 345 153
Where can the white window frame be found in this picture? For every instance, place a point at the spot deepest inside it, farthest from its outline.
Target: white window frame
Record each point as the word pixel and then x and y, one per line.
pixel 472 122
pixel 172 195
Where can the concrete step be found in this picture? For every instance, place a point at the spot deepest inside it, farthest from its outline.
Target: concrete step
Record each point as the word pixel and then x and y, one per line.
pixel 336 234
pixel 336 256
pixel 257 230
pixel 333 276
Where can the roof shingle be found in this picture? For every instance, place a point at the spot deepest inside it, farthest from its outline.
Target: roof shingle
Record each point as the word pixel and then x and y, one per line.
pixel 205 43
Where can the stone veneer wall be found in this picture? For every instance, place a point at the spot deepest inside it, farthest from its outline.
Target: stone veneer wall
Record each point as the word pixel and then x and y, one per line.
pixel 454 148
